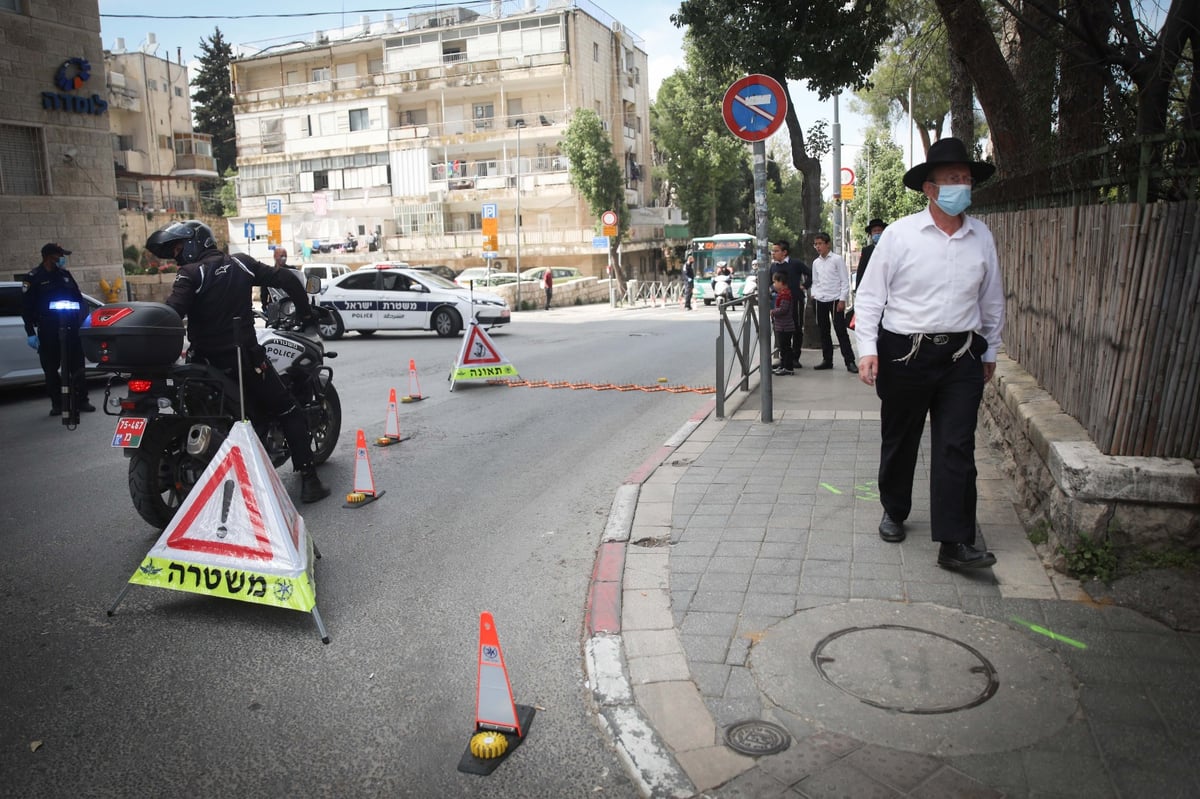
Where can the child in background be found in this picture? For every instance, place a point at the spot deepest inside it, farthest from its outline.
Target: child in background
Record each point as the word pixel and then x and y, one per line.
pixel 783 325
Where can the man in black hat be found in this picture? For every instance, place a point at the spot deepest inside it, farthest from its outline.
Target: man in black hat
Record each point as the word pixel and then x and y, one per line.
pixel 875 229
pixel 930 312
pixel 53 308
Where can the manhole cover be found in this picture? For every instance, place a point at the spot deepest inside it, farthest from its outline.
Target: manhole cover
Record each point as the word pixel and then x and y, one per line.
pixel 905 669
pixel 756 738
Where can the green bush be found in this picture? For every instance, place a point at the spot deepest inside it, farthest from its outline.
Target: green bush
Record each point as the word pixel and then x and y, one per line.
pixel 1090 559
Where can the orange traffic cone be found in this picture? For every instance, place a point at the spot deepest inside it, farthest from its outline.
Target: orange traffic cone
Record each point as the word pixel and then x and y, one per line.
pixel 364 491
pixel 500 723
pixel 413 396
pixel 391 428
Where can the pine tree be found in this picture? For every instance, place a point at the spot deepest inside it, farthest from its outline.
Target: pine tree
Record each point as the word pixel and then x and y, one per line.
pixel 213 99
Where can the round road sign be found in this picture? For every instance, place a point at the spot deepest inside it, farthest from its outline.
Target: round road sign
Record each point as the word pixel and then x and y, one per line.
pixel 847 181
pixel 608 218
pixel 754 107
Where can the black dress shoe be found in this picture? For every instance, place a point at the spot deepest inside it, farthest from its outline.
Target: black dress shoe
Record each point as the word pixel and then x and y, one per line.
pixel 891 530
pixel 55 411
pixel 825 365
pixel 851 368
pixel 86 406
pixel 964 556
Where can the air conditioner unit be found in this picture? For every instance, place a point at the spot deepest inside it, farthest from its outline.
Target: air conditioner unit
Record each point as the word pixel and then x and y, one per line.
pixel 618 27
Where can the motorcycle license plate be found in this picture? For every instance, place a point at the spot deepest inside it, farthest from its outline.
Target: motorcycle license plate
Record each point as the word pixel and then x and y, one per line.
pixel 129 432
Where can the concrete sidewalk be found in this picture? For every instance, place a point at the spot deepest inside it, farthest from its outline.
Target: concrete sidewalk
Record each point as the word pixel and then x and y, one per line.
pixel 742 579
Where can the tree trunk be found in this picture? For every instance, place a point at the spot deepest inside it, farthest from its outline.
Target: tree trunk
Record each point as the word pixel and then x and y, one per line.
pixel 1081 89
pixel 971 40
pixel 962 102
pixel 810 168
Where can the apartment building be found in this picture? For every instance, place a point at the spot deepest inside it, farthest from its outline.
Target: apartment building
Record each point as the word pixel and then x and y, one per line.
pixel 56 175
pixel 158 159
pixel 401 132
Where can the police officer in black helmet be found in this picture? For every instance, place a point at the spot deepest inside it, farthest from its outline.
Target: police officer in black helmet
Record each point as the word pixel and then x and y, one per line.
pixel 213 291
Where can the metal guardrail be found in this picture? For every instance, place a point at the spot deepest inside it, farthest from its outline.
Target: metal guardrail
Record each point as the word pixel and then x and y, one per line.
pixel 743 335
pixel 652 294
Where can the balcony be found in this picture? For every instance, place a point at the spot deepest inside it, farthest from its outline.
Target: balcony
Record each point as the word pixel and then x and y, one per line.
pixel 194 166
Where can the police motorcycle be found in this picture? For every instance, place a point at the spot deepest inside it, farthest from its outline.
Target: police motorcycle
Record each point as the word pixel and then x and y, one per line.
pixel 175 413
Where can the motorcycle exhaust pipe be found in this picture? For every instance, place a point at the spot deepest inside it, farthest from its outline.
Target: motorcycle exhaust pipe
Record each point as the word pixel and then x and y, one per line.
pixel 199 439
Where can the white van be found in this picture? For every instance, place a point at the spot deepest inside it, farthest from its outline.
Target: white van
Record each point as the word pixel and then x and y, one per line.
pixel 326 272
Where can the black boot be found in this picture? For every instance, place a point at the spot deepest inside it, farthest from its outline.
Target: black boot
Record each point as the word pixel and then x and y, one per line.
pixel 311 487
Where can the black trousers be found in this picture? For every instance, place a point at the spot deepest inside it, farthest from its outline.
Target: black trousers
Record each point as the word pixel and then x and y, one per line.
pixel 827 311
pixel 949 391
pixel 787 355
pixel 266 394
pixel 549 294
pixel 50 355
pixel 798 318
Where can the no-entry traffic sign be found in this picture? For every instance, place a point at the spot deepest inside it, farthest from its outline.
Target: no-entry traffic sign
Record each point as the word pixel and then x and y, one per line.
pixel 754 107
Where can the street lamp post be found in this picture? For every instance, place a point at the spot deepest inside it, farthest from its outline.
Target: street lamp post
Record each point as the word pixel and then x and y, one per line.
pixel 520 124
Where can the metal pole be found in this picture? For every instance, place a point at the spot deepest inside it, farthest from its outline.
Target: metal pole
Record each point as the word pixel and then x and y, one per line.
pixel 764 312
pixel 837 174
pixel 518 219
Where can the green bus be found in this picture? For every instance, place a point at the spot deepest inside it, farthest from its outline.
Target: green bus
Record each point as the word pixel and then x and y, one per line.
pixel 736 250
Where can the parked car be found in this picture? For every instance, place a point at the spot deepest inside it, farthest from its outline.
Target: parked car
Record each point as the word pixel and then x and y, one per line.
pixel 562 274
pixel 19 364
pixel 483 276
pixel 437 269
pixel 326 272
pixel 398 298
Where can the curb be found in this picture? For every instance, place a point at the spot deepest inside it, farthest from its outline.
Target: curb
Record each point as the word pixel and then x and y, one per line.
pixel 649 763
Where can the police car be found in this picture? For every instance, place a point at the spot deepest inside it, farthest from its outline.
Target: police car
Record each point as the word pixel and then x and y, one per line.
pixel 386 297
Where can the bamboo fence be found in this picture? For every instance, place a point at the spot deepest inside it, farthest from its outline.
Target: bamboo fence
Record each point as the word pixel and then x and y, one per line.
pixel 1103 311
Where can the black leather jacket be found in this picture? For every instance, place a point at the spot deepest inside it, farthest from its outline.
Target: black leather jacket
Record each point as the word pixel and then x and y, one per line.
pixel 215 294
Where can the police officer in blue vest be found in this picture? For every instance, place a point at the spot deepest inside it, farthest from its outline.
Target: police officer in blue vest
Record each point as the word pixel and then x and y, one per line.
pixel 53 308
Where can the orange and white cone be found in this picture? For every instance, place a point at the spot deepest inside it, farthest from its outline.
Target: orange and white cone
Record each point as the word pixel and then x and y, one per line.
pixel 391 427
pixel 413 381
pixel 500 723
pixel 364 480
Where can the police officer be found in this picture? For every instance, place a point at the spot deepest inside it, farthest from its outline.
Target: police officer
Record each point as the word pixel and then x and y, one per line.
pixel 213 291
pixel 42 288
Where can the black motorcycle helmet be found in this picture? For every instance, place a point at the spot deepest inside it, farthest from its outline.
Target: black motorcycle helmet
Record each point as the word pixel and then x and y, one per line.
pixel 197 238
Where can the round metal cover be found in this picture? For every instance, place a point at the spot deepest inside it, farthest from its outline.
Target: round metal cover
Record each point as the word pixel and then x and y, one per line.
pixel 755 738
pixel 914 671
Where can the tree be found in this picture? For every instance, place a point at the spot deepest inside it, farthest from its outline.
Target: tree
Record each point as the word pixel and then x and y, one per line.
pixel 830 44
pixel 212 100
pixel 1106 49
pixel 706 168
pixel 881 183
pixel 596 174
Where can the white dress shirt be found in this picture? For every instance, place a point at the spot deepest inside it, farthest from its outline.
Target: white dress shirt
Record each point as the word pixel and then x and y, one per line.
pixel 924 281
pixel 831 279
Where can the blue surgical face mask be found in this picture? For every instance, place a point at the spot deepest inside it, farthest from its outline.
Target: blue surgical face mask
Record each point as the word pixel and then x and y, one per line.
pixel 875 238
pixel 61 262
pixel 954 199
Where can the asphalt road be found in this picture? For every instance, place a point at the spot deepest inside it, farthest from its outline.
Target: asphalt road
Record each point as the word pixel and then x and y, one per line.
pixel 496 503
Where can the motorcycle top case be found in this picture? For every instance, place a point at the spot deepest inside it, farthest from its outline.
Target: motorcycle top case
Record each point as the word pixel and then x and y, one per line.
pixel 132 335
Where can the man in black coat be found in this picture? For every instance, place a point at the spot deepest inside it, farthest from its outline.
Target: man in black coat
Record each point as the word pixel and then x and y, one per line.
pixel 874 229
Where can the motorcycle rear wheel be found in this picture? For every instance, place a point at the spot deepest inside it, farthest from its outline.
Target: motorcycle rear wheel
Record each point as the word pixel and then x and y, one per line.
pixel 162 473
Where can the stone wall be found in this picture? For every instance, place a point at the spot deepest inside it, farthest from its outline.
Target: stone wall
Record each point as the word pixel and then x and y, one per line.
pixel 1063 480
pixel 575 292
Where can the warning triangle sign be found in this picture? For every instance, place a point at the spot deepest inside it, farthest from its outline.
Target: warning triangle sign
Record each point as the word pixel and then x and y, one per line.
pixel 479 358
pixel 237 535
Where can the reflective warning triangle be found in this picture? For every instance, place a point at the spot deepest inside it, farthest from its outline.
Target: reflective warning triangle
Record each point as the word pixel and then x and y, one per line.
pixel 237 535
pixel 494 706
pixel 479 358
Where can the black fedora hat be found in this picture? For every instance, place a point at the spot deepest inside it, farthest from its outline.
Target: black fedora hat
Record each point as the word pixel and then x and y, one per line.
pixel 875 223
pixel 947 151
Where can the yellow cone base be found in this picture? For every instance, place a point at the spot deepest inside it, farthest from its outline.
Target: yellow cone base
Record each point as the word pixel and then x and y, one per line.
pixel 483 765
pixel 359 499
pixel 486 745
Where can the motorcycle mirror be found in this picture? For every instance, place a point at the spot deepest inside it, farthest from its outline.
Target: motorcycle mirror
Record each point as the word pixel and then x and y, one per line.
pixel 312 284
